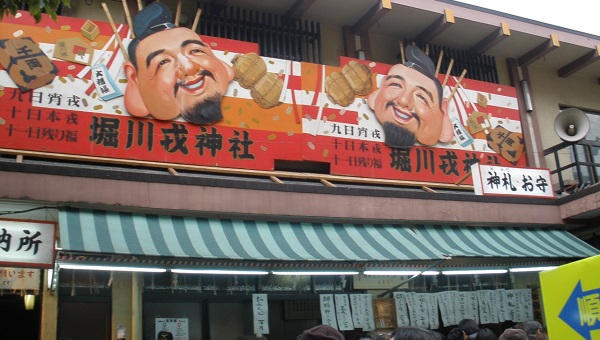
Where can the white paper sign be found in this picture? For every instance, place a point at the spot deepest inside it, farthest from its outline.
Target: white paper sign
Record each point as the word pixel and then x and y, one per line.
pixel 358 310
pixel 434 320
pixel 19 278
pixel 328 310
pixel 369 315
pixel 446 303
pixel 402 318
pixel 524 305
pixel 260 308
pixel 472 306
pixel 507 181
pixel 418 309
pixel 487 308
pixel 343 312
pixel 178 327
pixel 467 306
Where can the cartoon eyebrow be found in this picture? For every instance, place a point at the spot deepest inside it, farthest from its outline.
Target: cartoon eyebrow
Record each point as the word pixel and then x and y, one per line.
pixel 192 41
pixel 152 56
pixel 395 76
pixel 183 44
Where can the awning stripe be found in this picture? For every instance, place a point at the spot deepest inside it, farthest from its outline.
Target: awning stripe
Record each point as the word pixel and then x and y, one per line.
pixel 193 229
pixel 505 242
pixel 220 244
pixel 115 232
pixel 183 237
pixel 96 231
pixel 144 235
pixel 537 242
pixel 516 244
pixel 440 240
pixel 358 236
pixel 157 235
pixel 276 236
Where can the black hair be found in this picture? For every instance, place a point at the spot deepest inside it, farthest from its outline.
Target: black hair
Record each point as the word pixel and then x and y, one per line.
pixel 468 326
pixel 455 334
pixel 486 334
pixel 414 333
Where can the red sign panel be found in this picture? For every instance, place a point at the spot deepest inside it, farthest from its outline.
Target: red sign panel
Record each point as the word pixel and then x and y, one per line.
pixel 271 109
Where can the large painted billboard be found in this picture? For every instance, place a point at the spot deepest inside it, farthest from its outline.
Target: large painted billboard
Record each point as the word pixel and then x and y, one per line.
pixel 162 93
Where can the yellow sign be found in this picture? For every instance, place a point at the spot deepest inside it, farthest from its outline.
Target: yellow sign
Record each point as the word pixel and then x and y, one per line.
pixel 571 296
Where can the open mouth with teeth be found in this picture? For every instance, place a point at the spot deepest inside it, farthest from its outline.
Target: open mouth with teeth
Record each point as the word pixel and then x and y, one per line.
pixel 195 85
pixel 402 117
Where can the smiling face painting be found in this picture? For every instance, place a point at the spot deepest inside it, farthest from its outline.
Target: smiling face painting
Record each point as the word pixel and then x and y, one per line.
pixel 174 73
pixel 409 105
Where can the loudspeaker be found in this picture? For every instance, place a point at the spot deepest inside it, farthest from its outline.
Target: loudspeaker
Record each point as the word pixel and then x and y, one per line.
pixel 571 125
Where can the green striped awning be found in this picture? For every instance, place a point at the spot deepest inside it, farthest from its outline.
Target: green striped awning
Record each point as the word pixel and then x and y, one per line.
pixel 96 231
pixel 106 232
pixel 505 242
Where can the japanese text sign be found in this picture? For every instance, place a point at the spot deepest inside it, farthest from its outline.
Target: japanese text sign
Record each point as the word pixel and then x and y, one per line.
pixel 19 278
pixel 508 181
pixel 176 328
pixel 571 295
pixel 27 243
pixel 260 308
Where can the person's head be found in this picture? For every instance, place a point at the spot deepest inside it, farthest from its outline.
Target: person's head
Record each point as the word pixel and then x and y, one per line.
pixel 364 337
pixel 410 105
pixel 384 337
pixel 530 327
pixel 470 327
pixel 321 332
pixel 513 334
pixel 486 334
pixel 172 72
pixel 541 336
pixel 456 334
pixel 414 333
pixel 164 335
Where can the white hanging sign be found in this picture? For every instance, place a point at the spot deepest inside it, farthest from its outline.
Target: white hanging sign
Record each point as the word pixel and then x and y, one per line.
pixel 260 307
pixel 506 181
pixel 343 312
pixel 27 243
pixel 19 278
pixel 328 310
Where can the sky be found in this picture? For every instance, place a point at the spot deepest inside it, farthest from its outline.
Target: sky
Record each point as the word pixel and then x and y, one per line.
pixel 579 15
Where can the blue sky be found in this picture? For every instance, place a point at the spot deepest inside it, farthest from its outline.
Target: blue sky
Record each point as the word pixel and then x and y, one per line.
pixel 579 15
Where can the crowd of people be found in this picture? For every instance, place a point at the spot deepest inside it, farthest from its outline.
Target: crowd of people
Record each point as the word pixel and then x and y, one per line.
pixel 467 329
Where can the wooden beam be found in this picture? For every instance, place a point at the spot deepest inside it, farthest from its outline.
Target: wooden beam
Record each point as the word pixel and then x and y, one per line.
pixel 540 51
pixel 371 17
pixel 492 40
pixel 298 9
pixel 173 172
pixel 580 63
pixel 428 189
pixel 276 180
pixel 437 27
pixel 327 183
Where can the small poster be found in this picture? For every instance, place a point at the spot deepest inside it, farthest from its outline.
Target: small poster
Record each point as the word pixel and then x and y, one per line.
pixel 19 278
pixel 343 312
pixel 260 309
pixel 328 310
pixel 175 328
